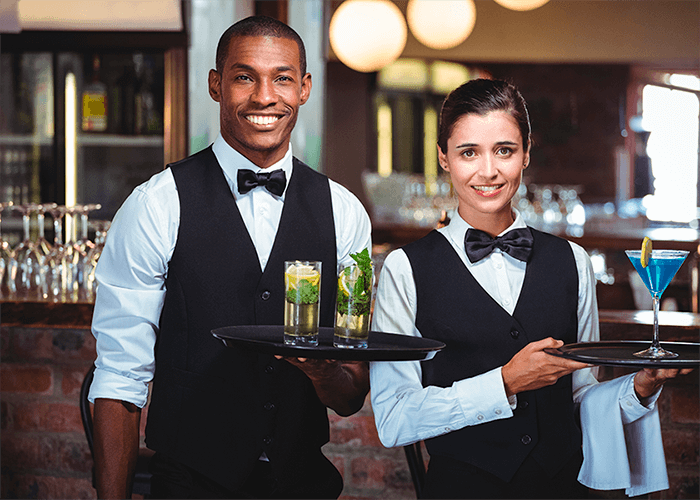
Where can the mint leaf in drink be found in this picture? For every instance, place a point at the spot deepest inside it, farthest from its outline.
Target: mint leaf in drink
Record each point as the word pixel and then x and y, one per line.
pixel 305 293
pixel 360 294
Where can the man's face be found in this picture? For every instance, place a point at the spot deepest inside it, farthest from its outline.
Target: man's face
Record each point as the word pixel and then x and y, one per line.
pixel 260 89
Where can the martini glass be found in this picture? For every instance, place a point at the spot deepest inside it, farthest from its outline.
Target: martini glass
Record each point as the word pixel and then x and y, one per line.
pixel 661 269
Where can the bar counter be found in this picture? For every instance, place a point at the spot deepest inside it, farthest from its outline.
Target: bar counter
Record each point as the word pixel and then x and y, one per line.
pixel 47 349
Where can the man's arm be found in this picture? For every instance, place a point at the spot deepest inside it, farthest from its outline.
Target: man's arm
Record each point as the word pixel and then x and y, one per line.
pixel 341 386
pixel 116 446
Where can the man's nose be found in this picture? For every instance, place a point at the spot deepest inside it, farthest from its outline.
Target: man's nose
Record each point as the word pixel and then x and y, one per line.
pixel 264 93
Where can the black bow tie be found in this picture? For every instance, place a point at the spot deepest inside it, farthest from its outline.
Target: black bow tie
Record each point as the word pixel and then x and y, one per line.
pixel 274 181
pixel 517 243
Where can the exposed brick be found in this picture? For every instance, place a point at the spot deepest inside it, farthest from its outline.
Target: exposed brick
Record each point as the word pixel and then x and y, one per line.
pixel 34 486
pixel 73 344
pixel 71 456
pixel 32 344
pixel 18 452
pixel 73 380
pixel 367 472
pixel 26 379
pixel 355 430
pixel 683 484
pixel 681 447
pixel 51 417
pixel 4 415
pixel 684 407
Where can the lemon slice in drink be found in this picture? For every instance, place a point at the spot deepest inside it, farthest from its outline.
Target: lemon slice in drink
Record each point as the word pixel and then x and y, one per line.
pixel 298 272
pixel 646 251
pixel 346 281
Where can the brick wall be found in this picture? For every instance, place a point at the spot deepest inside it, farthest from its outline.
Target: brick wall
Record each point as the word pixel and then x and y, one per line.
pixel 43 452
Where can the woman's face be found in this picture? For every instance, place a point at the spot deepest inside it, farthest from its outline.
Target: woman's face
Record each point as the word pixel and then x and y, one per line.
pixel 485 158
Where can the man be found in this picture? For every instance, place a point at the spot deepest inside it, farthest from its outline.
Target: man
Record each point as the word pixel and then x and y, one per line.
pixel 201 245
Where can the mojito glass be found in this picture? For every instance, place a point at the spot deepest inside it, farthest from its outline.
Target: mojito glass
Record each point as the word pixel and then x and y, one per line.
pixel 353 303
pixel 302 283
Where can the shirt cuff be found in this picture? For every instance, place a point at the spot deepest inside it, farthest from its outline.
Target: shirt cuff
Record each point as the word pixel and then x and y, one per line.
pixel 632 408
pixel 109 385
pixel 483 398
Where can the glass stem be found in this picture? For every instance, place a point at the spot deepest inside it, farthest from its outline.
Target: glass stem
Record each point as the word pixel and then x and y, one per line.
pixel 25 224
pixel 58 230
pixel 655 340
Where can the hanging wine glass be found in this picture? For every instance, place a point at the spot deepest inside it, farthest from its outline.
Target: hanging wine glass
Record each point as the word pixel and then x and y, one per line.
pixel 43 246
pixel 7 285
pixel 71 258
pixel 101 227
pixel 82 246
pixel 27 267
pixel 55 276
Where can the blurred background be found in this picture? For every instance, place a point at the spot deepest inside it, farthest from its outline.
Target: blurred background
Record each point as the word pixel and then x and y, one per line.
pixel 98 95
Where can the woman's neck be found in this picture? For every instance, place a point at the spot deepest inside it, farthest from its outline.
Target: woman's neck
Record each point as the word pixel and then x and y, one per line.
pixel 491 223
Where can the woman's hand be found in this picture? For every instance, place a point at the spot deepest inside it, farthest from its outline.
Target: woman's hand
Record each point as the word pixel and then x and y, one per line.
pixel 532 368
pixel 650 380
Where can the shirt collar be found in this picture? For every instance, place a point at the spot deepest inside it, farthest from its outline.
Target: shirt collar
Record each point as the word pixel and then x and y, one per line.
pixel 232 161
pixel 457 227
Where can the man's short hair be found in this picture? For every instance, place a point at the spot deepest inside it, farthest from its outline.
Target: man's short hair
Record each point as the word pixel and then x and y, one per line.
pixel 258 26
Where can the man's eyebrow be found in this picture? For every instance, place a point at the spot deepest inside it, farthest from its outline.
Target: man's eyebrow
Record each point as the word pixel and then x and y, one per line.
pixel 247 67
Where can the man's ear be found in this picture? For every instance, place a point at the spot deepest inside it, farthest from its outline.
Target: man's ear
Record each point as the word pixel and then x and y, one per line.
pixel 215 85
pixel 305 88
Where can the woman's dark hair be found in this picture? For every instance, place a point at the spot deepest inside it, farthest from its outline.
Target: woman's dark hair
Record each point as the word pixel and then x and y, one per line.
pixel 258 26
pixel 480 97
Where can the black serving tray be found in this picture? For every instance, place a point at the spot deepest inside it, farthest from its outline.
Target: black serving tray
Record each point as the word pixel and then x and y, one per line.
pixel 269 339
pixel 621 353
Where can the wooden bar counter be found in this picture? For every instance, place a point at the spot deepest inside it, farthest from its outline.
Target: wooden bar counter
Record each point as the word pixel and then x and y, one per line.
pixel 47 349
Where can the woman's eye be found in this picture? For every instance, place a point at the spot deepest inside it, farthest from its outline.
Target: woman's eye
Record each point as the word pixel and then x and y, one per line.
pixel 504 151
pixel 468 153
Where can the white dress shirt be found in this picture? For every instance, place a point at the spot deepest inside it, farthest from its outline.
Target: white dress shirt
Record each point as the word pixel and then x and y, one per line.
pixel 406 412
pixel 134 264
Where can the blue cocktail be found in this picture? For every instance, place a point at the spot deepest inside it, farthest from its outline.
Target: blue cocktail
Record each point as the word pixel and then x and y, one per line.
pixel 660 270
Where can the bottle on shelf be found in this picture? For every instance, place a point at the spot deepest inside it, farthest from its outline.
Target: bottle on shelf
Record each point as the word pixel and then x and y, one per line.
pixel 95 101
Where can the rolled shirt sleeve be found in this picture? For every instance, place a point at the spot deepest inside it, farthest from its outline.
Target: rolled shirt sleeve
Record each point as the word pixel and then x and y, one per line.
pixel 131 290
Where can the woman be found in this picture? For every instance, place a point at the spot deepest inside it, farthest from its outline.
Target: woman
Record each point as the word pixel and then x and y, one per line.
pixel 498 413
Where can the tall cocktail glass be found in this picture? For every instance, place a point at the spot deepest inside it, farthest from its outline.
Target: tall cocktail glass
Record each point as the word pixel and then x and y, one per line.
pixel 661 268
pixel 302 284
pixel 353 305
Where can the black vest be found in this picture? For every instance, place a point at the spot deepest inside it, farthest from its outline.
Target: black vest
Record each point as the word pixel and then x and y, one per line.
pixel 480 336
pixel 213 408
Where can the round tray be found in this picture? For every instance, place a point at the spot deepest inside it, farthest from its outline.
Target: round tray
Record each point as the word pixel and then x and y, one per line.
pixel 269 339
pixel 618 353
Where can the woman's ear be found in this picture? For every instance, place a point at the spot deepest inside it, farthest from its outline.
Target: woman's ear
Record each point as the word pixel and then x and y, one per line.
pixel 526 160
pixel 442 159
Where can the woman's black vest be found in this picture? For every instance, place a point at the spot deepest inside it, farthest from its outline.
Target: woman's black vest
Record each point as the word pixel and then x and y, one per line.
pixel 480 336
pixel 213 408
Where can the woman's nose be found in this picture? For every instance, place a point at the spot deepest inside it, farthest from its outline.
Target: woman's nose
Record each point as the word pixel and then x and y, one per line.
pixel 488 169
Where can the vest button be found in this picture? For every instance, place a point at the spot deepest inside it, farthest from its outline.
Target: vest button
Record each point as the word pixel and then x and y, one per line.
pixel 514 333
pixel 269 369
pixel 522 405
pixel 267 440
pixel 526 439
pixel 265 295
pixel 269 406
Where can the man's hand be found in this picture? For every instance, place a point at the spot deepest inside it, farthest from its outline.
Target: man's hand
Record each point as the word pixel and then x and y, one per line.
pixel 532 368
pixel 340 385
pixel 650 380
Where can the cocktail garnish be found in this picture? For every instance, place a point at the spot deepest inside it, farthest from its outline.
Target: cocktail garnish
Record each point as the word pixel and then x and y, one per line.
pixel 646 251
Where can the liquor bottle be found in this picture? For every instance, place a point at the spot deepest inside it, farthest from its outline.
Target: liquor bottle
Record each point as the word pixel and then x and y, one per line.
pixel 95 101
pixel 147 119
